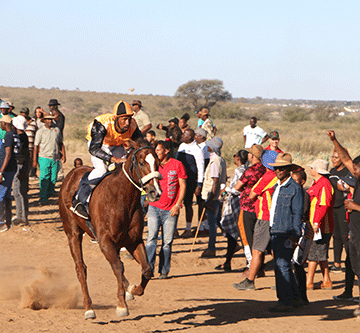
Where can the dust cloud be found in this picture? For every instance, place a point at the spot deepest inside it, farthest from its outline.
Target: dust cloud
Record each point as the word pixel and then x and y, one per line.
pixel 39 288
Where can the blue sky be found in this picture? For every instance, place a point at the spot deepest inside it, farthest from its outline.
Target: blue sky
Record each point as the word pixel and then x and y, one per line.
pixel 273 49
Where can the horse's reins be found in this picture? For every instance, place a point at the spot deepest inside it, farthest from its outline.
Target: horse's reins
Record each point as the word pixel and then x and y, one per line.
pixel 143 180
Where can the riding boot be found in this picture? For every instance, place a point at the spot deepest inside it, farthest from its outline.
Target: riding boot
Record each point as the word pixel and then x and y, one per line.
pixel 81 198
pixel 8 212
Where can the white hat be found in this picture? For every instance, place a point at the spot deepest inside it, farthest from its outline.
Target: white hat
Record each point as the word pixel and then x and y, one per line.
pixel 20 123
pixel 320 166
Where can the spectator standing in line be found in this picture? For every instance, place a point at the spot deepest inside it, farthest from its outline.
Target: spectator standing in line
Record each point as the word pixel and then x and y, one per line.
pixel 321 218
pixel 7 171
pixel 285 221
pixel 262 192
pixel 11 112
pixel 230 215
pixel 59 122
pixel 141 117
pixel 274 139
pixel 353 206
pixel 183 122
pixel 39 117
pixel 5 110
pixel 200 138
pixel 247 218
pixel 78 162
pixel 191 156
pixel 214 180
pixel 208 124
pixel 253 134
pixel 59 118
pixel 164 213
pixel 341 228
pixel 173 133
pixel 21 179
pixel 151 138
pixel 300 177
pixel 48 150
pixel 30 131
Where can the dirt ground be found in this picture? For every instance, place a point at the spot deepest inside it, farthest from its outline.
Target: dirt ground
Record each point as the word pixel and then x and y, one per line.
pixel 36 269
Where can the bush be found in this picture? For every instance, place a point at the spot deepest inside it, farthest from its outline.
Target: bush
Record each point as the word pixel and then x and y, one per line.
pixel 294 115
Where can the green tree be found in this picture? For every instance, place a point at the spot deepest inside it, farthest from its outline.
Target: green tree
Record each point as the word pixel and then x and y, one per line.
pixel 202 93
pixel 325 112
pixel 295 114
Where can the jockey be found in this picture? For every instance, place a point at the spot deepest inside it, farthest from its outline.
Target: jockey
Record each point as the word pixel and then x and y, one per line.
pixel 106 137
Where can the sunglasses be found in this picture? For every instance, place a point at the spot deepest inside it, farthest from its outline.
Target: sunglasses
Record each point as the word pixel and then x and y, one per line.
pixel 280 168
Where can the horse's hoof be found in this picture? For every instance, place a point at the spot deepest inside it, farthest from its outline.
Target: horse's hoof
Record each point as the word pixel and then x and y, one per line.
pixel 90 314
pixel 129 296
pixel 122 312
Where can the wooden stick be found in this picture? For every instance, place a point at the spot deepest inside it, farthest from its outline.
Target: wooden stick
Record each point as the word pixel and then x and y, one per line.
pixel 197 229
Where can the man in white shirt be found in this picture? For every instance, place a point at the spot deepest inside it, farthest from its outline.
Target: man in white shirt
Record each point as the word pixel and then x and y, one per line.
pixel 254 134
pixel 142 119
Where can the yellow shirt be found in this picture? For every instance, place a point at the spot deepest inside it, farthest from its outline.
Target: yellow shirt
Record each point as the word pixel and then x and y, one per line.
pixel 112 137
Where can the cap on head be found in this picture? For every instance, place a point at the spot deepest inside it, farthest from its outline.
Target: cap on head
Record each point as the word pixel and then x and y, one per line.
pixel 320 166
pixel 201 132
pixel 53 102
pixel 6 119
pixel 274 135
pixel 137 102
pixel 11 105
pixel 20 123
pixel 205 111
pixel 25 110
pixel 215 144
pixel 4 105
pixel 256 150
pixel 122 109
pixel 283 159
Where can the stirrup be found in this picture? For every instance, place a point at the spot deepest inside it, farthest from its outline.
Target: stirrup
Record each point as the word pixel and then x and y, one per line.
pixel 79 209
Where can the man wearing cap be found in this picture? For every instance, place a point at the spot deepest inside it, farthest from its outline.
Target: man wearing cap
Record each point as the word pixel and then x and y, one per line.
pixel 106 136
pixel 48 151
pixel 7 171
pixel 30 131
pixel 247 218
pixel 11 113
pixel 59 118
pixel 322 198
pixel 192 157
pixel 5 110
pixel 262 192
pixel 285 222
pixel 142 119
pixel 214 180
pixel 274 139
pixel 21 179
pixel 253 134
pixel 207 124
pixel 173 133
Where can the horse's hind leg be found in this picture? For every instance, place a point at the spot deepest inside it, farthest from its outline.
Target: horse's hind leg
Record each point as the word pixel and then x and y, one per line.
pixel 75 243
pixel 146 271
pixel 112 255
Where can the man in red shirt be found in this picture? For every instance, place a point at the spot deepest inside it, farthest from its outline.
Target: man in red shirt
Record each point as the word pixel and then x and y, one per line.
pixel 164 213
pixel 262 190
pixel 274 139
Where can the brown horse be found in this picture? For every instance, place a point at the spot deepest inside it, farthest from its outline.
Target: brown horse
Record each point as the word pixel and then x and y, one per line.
pixel 117 218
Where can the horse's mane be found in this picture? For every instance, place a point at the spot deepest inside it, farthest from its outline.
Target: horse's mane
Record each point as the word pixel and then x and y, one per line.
pixel 132 146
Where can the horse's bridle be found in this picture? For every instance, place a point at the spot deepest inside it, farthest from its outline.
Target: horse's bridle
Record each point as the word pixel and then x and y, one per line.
pixel 142 180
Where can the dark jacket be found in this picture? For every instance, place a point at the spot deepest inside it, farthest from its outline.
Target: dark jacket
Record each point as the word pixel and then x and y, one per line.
pixel 289 210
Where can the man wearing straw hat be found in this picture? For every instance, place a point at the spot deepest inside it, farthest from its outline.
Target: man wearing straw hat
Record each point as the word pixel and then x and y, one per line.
pixel 285 222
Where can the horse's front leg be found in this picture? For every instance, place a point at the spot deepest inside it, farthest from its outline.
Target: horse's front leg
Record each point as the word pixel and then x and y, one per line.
pixel 111 253
pixel 75 243
pixel 146 271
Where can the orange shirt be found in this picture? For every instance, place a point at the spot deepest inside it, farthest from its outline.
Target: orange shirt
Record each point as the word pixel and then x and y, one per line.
pixel 264 188
pixel 112 137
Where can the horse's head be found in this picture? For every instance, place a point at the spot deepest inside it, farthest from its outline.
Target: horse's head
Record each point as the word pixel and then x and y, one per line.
pixel 144 168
